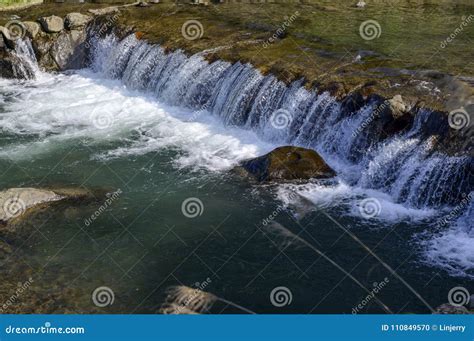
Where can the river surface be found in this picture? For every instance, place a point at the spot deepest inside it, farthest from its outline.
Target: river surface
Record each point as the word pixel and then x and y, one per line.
pixel 180 217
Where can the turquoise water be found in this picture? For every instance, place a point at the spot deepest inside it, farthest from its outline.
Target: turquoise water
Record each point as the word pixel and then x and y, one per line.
pixel 80 130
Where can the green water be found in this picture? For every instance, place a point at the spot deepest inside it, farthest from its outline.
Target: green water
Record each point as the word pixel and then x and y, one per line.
pixel 142 243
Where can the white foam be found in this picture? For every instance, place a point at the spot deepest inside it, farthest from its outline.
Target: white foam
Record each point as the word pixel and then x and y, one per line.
pixel 350 199
pixel 104 110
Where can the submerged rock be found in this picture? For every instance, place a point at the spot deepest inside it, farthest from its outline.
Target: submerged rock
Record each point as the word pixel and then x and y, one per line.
pixel 68 50
pixel 106 10
pixel 32 28
pixel 52 24
pixel 16 201
pixel 287 163
pixel 398 106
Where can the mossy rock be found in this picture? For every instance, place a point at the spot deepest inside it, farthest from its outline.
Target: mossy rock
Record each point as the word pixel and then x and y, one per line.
pixel 16 203
pixel 287 163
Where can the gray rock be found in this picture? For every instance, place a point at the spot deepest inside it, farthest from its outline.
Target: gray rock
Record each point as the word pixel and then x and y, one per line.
pixel 68 50
pixel 398 106
pixel 75 21
pixel 16 201
pixel 102 11
pixel 52 24
pixel 32 28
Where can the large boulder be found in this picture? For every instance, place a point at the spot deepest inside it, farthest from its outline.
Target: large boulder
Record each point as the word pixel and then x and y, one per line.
pixel 42 45
pixel 106 10
pixel 76 21
pixel 287 163
pixel 32 28
pixel 52 24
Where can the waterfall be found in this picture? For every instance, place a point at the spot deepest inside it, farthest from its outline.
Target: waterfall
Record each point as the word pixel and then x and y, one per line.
pixel 404 166
pixel 28 65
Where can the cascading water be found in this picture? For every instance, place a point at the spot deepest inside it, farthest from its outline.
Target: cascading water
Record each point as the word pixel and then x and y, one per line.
pixel 404 167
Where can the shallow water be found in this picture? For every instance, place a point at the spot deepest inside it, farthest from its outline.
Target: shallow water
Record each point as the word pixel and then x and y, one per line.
pixel 83 129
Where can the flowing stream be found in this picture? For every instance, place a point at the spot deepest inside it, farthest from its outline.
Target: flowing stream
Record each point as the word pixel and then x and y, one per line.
pixel 164 128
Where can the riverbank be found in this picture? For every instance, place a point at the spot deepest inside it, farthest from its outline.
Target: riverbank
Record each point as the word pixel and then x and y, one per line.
pixel 9 5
